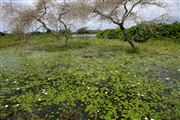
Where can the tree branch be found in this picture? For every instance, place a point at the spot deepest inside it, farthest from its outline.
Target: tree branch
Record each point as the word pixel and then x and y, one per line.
pixel 105 16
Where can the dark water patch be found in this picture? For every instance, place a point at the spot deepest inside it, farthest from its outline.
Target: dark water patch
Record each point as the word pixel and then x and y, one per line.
pixel 58 111
pixel 169 76
pixel 163 72
pixel 50 112
pixel 65 65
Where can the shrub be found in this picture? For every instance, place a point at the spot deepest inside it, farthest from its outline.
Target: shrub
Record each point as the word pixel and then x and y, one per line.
pixel 144 32
pixel 169 30
pixel 2 34
pixel 110 34
pixel 85 30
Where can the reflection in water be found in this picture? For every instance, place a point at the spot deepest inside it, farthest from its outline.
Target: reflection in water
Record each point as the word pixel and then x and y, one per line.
pixel 84 36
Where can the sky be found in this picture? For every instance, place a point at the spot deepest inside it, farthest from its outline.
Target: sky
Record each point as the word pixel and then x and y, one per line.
pixel 149 14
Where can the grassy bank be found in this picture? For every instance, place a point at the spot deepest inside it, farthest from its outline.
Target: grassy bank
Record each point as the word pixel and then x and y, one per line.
pixel 42 78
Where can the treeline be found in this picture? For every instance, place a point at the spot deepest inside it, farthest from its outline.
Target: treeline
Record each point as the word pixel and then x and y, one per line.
pixel 144 32
pixel 85 30
pixel 2 34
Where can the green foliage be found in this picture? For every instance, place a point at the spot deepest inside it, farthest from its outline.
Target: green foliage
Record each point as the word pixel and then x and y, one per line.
pixel 9 40
pixel 2 34
pixel 144 32
pixel 169 30
pixel 85 30
pixel 89 79
pixel 110 34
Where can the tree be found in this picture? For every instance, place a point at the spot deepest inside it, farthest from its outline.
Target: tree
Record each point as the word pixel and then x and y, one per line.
pixel 117 11
pixel 2 34
pixel 48 14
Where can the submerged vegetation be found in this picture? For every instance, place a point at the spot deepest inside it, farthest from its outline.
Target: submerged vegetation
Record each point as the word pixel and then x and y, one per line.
pixel 42 78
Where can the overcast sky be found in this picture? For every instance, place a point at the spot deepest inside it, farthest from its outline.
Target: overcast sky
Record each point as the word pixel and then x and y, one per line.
pixel 173 10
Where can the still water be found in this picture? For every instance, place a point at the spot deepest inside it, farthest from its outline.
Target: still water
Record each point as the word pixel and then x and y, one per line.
pixel 84 36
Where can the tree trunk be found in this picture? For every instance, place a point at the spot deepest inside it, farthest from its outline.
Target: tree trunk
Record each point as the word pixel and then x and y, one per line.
pixel 66 39
pixel 127 37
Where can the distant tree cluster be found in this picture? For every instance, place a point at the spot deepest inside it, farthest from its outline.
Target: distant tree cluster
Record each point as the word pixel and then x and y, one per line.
pixel 2 34
pixel 85 30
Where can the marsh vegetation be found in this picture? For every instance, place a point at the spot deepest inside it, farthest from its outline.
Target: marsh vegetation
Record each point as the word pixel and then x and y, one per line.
pixel 88 79
pixel 49 73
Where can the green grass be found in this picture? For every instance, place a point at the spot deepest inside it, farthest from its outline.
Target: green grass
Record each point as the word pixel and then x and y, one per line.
pixel 88 79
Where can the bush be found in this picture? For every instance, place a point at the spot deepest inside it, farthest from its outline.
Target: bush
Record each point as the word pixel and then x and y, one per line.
pixel 144 32
pixel 2 34
pixel 169 30
pixel 85 30
pixel 110 34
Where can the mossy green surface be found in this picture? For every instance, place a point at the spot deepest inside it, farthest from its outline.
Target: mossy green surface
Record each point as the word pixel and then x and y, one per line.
pixel 89 79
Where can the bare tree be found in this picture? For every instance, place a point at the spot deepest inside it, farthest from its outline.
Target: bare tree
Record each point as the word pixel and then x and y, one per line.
pixel 17 18
pixel 117 11
pixel 48 14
